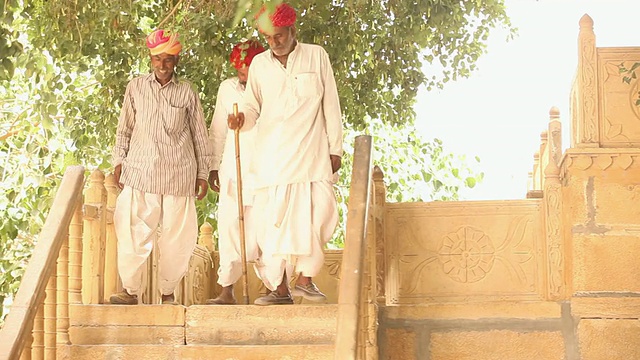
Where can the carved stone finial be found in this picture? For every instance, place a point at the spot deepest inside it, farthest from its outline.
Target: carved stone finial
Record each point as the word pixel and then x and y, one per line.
pixel 554 112
pixel 377 173
pixel 206 237
pixel 96 176
pixel 206 229
pixel 544 136
pixel 536 155
pixel 586 22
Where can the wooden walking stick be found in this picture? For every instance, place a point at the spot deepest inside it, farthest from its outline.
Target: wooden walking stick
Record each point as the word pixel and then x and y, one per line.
pixel 243 244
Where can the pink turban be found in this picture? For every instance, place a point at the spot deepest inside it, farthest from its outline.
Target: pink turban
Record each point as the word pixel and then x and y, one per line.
pixel 243 53
pixel 158 43
pixel 284 15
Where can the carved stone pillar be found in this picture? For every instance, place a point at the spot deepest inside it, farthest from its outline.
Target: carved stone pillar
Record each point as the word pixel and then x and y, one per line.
pixel 553 213
pixel 585 132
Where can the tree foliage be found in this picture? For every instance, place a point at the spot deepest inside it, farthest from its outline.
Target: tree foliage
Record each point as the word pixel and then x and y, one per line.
pixel 64 66
pixel 414 168
pixel 629 75
pixel 377 47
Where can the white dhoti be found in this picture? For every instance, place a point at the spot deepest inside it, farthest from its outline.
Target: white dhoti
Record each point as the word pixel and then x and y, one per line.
pixel 230 268
pixel 296 221
pixel 136 219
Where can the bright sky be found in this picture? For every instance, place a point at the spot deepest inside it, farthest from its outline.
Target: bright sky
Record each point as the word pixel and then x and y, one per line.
pixel 499 112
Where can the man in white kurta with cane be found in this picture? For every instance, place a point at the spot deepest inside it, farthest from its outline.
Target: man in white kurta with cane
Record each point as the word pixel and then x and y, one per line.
pixel 161 158
pixel 292 100
pixel 223 175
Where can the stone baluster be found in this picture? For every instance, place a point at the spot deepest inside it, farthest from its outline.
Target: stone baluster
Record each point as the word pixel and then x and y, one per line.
pixel 93 241
pixel 111 277
pixel 62 294
pixel 37 348
pixel 50 318
pixel 75 255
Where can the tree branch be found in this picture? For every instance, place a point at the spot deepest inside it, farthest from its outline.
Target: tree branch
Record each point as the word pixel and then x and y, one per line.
pixel 175 7
pixel 12 132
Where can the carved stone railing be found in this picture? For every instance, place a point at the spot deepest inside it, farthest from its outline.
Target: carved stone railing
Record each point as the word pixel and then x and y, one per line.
pixel 39 317
pixel 442 253
pixel 356 336
pixel 604 113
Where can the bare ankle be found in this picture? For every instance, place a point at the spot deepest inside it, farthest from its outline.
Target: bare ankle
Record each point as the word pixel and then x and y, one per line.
pixel 282 290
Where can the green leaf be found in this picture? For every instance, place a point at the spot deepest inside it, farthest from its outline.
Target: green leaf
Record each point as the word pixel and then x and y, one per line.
pixel 470 182
pixel 426 176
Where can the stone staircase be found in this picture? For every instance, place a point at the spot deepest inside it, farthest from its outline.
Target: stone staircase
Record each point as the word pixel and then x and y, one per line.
pixel 202 332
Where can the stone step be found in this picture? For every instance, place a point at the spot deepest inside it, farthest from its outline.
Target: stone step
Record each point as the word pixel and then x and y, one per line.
pixel 260 325
pixel 131 335
pixel 126 315
pixel 285 314
pixel 198 352
pixel 202 325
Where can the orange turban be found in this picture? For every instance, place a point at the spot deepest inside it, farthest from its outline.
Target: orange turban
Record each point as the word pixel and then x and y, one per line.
pixel 243 53
pixel 284 15
pixel 158 43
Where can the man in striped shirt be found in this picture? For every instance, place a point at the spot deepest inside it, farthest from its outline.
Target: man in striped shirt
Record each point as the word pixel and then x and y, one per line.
pixel 222 177
pixel 161 157
pixel 292 99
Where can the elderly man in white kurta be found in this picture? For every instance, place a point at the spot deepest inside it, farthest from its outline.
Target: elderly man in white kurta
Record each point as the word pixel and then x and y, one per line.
pixel 292 99
pixel 223 175
pixel 162 158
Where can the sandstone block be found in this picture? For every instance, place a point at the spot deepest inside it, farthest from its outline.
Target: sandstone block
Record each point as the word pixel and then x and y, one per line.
pixel 497 344
pixel 609 339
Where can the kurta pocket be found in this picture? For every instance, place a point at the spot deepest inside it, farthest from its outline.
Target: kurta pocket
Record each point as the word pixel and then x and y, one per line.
pixel 308 85
pixel 174 119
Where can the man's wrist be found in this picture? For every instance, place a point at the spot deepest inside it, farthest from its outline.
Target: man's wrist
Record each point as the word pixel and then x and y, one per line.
pixel 202 175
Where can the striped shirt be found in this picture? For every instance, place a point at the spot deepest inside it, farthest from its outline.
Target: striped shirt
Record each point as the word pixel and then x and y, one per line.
pixel 161 140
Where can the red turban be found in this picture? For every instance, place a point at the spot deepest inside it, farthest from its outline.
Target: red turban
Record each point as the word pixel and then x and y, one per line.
pixel 243 53
pixel 284 15
pixel 158 43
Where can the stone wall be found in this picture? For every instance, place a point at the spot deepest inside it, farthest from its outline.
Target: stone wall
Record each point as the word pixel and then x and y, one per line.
pixel 580 253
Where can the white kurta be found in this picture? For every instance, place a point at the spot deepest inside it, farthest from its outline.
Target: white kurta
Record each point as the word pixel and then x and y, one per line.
pixel 224 160
pixel 296 112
